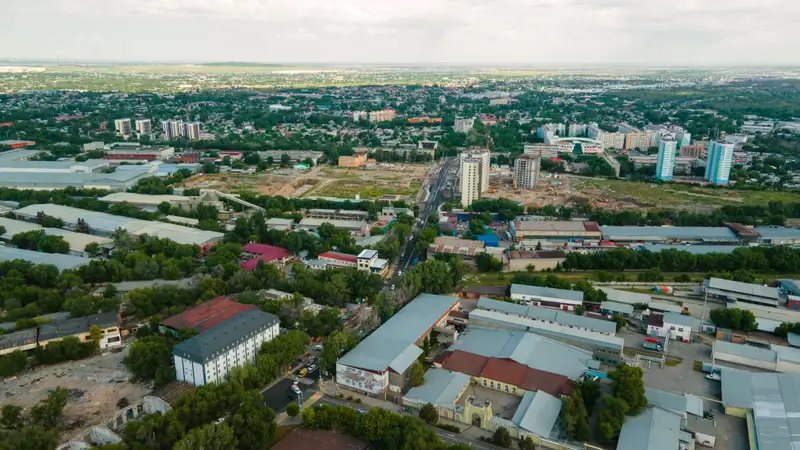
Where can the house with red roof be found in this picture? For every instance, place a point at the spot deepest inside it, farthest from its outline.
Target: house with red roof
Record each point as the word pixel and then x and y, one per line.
pixel 261 252
pixel 340 259
pixel 205 316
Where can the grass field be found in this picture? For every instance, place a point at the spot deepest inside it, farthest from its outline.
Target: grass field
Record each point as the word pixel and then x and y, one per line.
pixel 366 189
pixel 667 195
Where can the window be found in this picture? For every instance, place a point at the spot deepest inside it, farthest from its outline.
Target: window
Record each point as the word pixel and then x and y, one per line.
pixel 484 382
pixel 513 390
pixel 680 329
pixel 491 385
pixel 506 388
pixel 672 328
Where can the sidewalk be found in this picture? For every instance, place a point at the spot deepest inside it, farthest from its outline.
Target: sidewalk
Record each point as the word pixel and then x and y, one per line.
pixel 284 419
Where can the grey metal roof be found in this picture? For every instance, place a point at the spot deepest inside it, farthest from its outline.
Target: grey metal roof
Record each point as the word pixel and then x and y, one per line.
pixel 537 413
pixel 548 314
pixel 628 297
pixel 786 353
pixel 794 339
pixel 63 328
pixel 666 400
pixel 693 249
pixel 43 180
pixel 616 307
pixel 746 289
pixel 551 330
pixel 441 387
pixel 62 262
pixel 774 399
pixel 537 291
pixel 700 425
pixel 694 405
pixel 678 319
pixel 18 339
pixel 744 351
pixel 206 346
pixel 778 232
pixel 535 351
pixel 393 344
pixel 654 429
pixel 636 233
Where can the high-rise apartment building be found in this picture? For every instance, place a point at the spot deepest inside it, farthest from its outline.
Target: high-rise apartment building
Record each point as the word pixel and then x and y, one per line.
pixel 384 115
pixel 665 165
pixel 526 171
pixel 173 129
pixel 123 127
pixel 692 151
pixel 470 180
pixel 720 160
pixel 143 126
pixel 191 130
pixel 576 130
pixel 463 125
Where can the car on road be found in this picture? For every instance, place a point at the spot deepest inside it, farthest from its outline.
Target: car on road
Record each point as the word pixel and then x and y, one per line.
pixel 317 348
pixel 361 411
pixel 312 368
pixel 714 376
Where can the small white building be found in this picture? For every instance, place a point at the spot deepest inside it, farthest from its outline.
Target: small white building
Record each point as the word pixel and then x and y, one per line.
pixel 677 325
pixel 549 297
pixel 210 356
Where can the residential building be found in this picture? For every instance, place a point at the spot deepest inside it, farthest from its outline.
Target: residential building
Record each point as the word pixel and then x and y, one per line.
pixel 576 130
pixel 123 127
pixel 210 356
pixel 526 171
pixel 91 146
pixel 470 180
pixel 191 131
pixel 144 126
pixel 463 124
pixel 268 254
pixel 357 160
pixel 677 326
pixel 173 129
pixel 692 151
pixel 637 139
pixel 385 115
pixel 549 131
pixel 380 363
pixel 368 261
pixel 665 167
pixel 545 151
pixel 543 296
pixel 719 163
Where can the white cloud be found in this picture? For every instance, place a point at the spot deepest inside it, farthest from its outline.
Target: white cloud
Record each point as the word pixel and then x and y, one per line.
pixel 514 31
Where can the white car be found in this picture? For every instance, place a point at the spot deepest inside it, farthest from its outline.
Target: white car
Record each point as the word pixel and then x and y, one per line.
pixel 317 348
pixel 714 376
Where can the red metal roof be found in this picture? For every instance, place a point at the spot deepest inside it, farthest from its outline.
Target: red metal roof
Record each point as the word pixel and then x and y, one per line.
pixel 266 250
pixel 336 256
pixel 504 371
pixel 465 362
pixel 148 157
pixel 207 315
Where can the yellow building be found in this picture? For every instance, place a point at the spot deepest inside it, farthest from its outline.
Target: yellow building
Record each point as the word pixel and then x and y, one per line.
pixel 357 160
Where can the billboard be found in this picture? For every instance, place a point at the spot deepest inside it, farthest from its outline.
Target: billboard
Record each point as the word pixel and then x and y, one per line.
pixel 360 379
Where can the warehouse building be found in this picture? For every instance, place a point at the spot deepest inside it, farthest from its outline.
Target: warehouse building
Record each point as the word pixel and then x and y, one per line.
pixel 337 214
pixel 543 296
pixel 610 308
pixel 693 249
pixel 654 429
pixel 549 315
pixel 776 358
pixel 779 235
pixel 61 262
pixel 103 224
pixel 670 235
pixel 554 231
pixel 356 228
pixel 769 401
pixel 209 357
pixel 381 361
pixel 77 241
pixel 151 202
pixel 743 292
pixel 109 323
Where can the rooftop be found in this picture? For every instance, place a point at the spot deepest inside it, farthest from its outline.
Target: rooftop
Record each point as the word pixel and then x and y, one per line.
pixel 143 199
pixel 393 345
pixel 755 292
pixel 207 315
pixel 744 351
pixel 615 307
pixel 61 262
pixel 778 232
pixel 68 327
pixel 441 387
pixel 693 249
pixel 537 291
pixel 498 291
pixel 338 257
pixel 637 233
pixel 630 298
pixel 679 319
pixel 654 429
pixel 537 413
pixel 549 315
pixel 206 345
pixel 350 224
pixel 556 226
pixel 367 254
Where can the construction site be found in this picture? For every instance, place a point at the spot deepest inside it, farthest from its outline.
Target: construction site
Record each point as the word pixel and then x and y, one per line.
pixel 97 386
pixel 367 183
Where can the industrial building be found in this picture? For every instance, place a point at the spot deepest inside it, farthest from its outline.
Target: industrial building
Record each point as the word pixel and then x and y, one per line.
pixel 356 228
pixel 555 231
pixel 210 356
pixel 654 429
pixel 337 214
pixel 103 224
pixel 381 361
pixel 544 296
pixel 135 152
pixel 671 235
pixel 548 315
pixel 778 235
pixel 602 347
pixel 150 203
pixel 769 401
pixel 743 292
pixel 776 358
pixel 77 241
pixel 295 156
pixel 676 325
pixel 109 323
pixel 61 262
pixel 610 308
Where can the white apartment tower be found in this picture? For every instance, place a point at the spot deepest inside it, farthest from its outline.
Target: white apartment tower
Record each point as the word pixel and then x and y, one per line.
pixel 191 130
pixel 526 171
pixel 173 129
pixel 123 127
pixel 143 126
pixel 470 180
pixel 576 130
pixel 720 160
pixel 463 125
pixel 665 166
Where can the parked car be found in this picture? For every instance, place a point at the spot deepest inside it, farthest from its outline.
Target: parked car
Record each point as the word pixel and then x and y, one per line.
pixel 317 348
pixel 361 411
pixel 312 368
pixel 714 376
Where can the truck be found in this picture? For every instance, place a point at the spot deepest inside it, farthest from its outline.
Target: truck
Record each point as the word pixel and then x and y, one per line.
pixel 664 290
pixel 653 344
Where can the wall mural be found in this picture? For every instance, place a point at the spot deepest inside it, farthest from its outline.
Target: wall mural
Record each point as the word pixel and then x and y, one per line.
pixel 360 379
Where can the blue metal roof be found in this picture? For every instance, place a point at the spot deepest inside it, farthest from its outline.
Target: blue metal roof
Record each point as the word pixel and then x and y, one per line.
pixel 537 413
pixel 778 232
pixel 693 249
pixel 633 233
pixel 441 387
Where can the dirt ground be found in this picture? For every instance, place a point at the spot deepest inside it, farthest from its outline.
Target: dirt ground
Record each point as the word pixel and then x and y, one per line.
pixel 96 385
pixel 323 181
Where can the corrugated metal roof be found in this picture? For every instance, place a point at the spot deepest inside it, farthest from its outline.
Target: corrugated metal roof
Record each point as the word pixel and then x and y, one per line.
pixel 207 315
pixel 62 262
pixel 616 307
pixel 737 287
pixel 794 339
pixel 778 232
pixel 628 297
pixel 386 346
pixel 666 400
pixel 637 233
pixel 693 249
pixel 530 349
pixel 537 413
pixel 694 405
pixel 207 345
pixel 441 387
pixel 744 351
pixel 678 319
pixel 654 429
pixel 548 314
pixel 537 291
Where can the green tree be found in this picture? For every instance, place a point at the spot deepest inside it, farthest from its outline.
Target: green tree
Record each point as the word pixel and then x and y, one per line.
pixel 417 374
pixel 429 414
pixel 48 412
pixel 150 358
pixel 502 438
pixel 92 248
pixel 11 417
pixel 96 334
pixel 253 423
pixel 209 437
pixel 580 310
pixel 611 418
pixel 590 391
pixel 574 417
pixel 620 321
pixel 285 159
pixel 164 208
pixel 627 385
pixel 487 263
pixel 292 410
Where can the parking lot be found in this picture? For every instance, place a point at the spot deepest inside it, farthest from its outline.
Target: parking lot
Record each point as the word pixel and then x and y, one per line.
pixel 279 395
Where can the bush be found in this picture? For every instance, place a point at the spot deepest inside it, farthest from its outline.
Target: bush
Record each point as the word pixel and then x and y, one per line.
pixel 293 410
pixel 448 427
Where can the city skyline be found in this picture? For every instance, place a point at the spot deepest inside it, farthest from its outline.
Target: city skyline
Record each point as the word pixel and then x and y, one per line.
pixel 617 32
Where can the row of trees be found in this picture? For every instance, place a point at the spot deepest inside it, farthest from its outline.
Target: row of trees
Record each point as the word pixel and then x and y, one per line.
pixel 36 430
pixel 628 399
pixel 734 318
pixel 590 294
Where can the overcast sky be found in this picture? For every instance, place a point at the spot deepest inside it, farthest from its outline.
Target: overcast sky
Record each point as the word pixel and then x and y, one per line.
pixel 657 32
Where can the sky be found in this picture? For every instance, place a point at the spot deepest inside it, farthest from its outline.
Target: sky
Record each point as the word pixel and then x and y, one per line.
pixel 519 32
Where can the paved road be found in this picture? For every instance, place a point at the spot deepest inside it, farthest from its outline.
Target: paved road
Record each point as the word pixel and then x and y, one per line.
pixel 442 173
pixel 279 395
pixel 446 436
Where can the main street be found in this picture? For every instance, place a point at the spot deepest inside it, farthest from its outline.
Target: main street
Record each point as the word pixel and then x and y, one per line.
pixel 436 183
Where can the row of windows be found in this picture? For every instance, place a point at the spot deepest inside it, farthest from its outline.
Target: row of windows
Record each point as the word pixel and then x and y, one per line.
pixel 499 385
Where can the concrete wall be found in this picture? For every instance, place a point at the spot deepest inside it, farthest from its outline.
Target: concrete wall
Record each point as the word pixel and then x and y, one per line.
pixel 787 367
pixel 720 356
pixel 736 412
pixel 521 265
